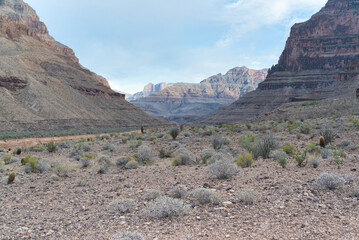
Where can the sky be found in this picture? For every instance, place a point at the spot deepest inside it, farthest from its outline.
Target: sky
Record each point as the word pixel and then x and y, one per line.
pixel 135 42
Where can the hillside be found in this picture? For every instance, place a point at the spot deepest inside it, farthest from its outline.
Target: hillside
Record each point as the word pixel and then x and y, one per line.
pixel 320 54
pixel 43 86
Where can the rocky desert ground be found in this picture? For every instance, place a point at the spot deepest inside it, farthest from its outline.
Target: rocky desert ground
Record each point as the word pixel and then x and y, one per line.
pixel 261 180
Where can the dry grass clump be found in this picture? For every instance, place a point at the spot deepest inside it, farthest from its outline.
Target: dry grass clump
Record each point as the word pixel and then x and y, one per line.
pixel 205 196
pixel 165 207
pixel 179 191
pixel 223 169
pixel 128 236
pixel 247 196
pixel 121 205
pixel 330 181
pixel 152 194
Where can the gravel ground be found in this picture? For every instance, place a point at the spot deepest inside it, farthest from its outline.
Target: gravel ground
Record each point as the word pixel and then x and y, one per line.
pixel 288 204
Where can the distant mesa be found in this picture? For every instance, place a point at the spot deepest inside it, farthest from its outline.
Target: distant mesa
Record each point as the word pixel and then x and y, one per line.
pixel 183 102
pixel 148 90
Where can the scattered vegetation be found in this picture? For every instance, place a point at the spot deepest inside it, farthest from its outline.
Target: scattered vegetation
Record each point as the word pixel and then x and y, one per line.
pixel 152 194
pixel 217 142
pixel 247 196
pixel 178 191
pixel 301 158
pixel 51 147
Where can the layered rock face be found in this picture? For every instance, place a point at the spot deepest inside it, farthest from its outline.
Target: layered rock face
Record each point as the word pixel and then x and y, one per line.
pixel 185 102
pixel 148 90
pixel 318 53
pixel 43 87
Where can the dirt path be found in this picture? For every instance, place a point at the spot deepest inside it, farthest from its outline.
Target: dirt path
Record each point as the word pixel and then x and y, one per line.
pixel 28 142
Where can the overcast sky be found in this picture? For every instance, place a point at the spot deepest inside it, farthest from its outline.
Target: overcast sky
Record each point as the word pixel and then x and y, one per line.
pixel 134 42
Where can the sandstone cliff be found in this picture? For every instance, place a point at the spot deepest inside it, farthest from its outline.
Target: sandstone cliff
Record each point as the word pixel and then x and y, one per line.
pixel 318 53
pixel 148 90
pixel 43 87
pixel 184 101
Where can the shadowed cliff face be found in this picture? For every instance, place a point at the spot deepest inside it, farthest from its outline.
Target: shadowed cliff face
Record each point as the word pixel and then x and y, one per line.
pixel 43 87
pixel 184 101
pixel 318 53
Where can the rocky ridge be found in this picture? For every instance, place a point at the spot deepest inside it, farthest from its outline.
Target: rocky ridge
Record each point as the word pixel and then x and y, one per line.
pixel 186 101
pixel 318 53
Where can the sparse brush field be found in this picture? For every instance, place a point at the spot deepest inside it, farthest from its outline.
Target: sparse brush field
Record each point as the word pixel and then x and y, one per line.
pixel 267 180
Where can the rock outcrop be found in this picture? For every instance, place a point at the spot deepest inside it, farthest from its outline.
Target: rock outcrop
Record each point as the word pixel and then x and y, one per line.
pixel 148 90
pixel 318 53
pixel 43 87
pixel 185 102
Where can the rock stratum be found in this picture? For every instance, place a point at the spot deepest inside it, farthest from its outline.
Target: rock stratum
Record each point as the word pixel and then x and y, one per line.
pixel 319 55
pixel 148 90
pixel 184 102
pixel 43 86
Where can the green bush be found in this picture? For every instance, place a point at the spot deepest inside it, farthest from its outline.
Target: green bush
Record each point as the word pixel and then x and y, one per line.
pixel 245 160
pixel 51 147
pixel 174 133
pixel 301 158
pixel 288 149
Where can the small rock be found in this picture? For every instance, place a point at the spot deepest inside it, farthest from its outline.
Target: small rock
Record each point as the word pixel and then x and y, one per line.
pixel 227 204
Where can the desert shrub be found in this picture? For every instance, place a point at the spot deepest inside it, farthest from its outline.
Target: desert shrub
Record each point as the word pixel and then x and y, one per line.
pixel 220 156
pixel 85 161
pixel 206 155
pixel 184 157
pixel 88 155
pixel 248 125
pixel 43 166
pixel 76 154
pixel 122 205
pixel 145 155
pixel 314 162
pixel 132 164
pixel 354 122
pixel 282 160
pixel 265 146
pixel 104 164
pixel 86 147
pixel 62 170
pixel 166 152
pixel 152 194
pixel 313 148
pixel 288 149
pixel 124 139
pixel 109 147
pixel 205 196
pixel 64 145
pixel 338 155
pixel 330 181
pixel 174 133
pixel 276 154
pixel 326 153
pixel 127 236
pixel 179 191
pixel 301 158
pixel 305 128
pixel 328 135
pixel 10 160
pixel 31 163
pixel 135 143
pixel 248 142
pixel 51 147
pixel 245 160
pixel 121 161
pixel 164 207
pixel 217 142
pixel 223 169
pixel 247 196
pixel 38 148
